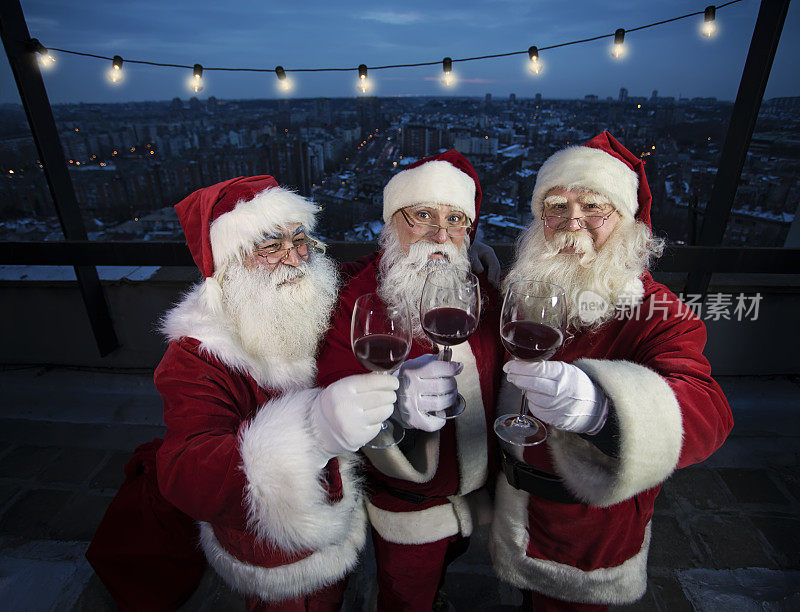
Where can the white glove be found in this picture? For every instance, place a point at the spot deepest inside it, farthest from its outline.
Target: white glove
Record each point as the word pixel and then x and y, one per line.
pixel 560 394
pixel 348 413
pixel 482 256
pixel 427 385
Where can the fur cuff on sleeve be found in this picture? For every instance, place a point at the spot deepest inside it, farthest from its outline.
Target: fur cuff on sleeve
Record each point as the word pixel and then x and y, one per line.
pixel 418 465
pixel 650 430
pixel 286 499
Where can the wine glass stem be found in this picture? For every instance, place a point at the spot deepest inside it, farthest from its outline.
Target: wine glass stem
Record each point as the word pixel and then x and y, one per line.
pixel 446 354
pixel 523 408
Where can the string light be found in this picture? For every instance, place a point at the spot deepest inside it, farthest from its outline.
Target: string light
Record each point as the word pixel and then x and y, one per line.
pixel 363 83
pixel 447 67
pixel 197 78
pixel 618 50
pixel 535 65
pixel 709 27
pixel 115 73
pixel 709 21
pixel 283 82
pixel 46 59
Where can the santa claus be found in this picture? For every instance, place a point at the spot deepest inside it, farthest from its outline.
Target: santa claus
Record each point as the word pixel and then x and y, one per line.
pixel 628 398
pixel 256 454
pixel 423 492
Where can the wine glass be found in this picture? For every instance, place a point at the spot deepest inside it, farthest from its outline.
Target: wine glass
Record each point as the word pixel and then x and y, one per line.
pixel 449 313
pixel 381 338
pixel 532 326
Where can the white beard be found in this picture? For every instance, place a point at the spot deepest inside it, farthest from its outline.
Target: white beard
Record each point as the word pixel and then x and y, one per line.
pixel 611 273
pixel 401 277
pixel 278 322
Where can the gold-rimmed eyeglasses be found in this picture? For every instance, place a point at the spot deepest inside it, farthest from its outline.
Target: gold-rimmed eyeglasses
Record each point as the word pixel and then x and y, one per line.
pixel 277 253
pixel 586 222
pixel 422 227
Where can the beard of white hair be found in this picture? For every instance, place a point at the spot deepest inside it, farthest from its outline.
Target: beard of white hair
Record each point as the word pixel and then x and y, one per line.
pixel 279 321
pixel 402 277
pixel 606 272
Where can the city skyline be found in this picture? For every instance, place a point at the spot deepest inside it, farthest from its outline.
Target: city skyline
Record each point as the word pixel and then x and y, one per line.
pixel 672 59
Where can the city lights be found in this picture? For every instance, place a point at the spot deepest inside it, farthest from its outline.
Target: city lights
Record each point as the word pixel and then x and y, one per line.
pixel 709 27
pixel 196 84
pixel 115 72
pixel 363 82
pixel 618 50
pixel 535 65
pixel 447 67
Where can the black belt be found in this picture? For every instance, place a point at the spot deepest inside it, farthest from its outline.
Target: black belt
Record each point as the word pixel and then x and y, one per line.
pixel 536 482
pixel 408 496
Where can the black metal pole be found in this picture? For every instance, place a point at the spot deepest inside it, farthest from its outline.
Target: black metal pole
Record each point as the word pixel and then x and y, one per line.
pixel 766 35
pixel 32 93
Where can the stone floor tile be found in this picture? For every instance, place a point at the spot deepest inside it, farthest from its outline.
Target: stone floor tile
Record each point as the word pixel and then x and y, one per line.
pixel 111 475
pixel 79 518
pixel 26 461
pixel 31 515
pixel 668 594
pixel 732 541
pixel 783 534
pixel 73 466
pixel 671 547
pixel 700 487
pixel 752 486
pixel 472 591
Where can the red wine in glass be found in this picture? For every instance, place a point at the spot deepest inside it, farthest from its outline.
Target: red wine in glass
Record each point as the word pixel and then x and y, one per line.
pixel 380 336
pixel 380 352
pixel 449 326
pixel 532 325
pixel 449 311
pixel 531 341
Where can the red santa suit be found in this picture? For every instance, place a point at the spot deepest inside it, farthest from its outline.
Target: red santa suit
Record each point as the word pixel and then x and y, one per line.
pixel 239 455
pixel 584 534
pixel 423 494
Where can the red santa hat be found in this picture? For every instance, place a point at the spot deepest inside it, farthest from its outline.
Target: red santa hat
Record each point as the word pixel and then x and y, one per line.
pixel 224 221
pixel 446 178
pixel 602 165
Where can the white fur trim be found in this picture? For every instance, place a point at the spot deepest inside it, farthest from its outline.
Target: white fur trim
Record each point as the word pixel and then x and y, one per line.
pixel 651 434
pixel 621 584
pixel 434 182
pixel 419 465
pixel 287 504
pixel 592 169
pixel 470 425
pixel 459 516
pixel 195 317
pixel 238 230
pixel 632 294
pixel 316 571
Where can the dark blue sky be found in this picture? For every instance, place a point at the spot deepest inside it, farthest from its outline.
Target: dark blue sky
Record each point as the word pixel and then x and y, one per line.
pixel 674 58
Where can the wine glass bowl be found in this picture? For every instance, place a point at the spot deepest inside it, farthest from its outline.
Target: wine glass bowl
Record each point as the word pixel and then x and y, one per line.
pixel 380 336
pixel 532 325
pixel 449 312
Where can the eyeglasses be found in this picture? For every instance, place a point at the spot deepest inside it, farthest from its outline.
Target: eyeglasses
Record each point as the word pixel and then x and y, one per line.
pixel 277 253
pixel 587 222
pixel 423 228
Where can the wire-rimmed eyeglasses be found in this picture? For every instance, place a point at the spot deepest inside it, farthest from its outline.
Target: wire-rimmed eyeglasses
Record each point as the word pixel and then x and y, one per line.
pixel 277 253
pixel 423 228
pixel 586 222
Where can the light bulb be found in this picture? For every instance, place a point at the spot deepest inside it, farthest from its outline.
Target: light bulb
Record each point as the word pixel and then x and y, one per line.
pixel 709 27
pixel 447 78
pixel 197 78
pixel 535 65
pixel 618 50
pixel 363 82
pixel 115 73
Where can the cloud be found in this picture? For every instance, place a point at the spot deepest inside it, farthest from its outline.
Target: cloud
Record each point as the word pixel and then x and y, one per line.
pixel 461 80
pixel 391 17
